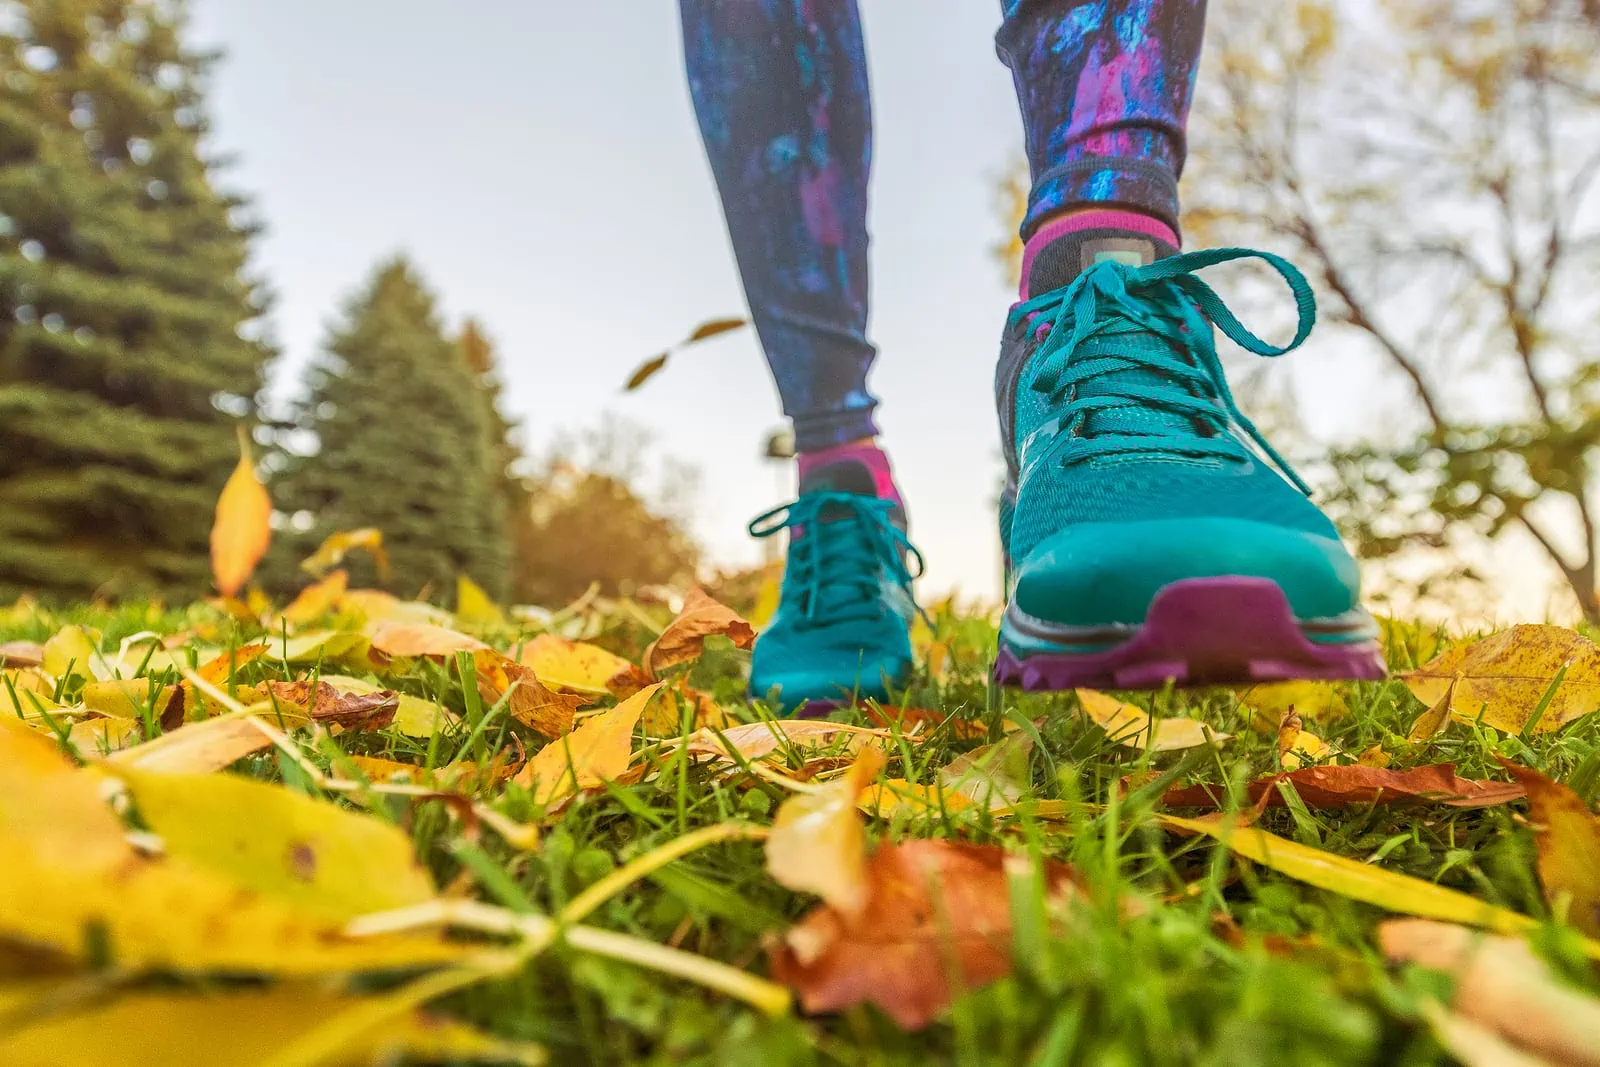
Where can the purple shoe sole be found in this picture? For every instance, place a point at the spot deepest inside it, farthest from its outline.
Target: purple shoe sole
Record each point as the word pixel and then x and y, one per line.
pixel 1200 631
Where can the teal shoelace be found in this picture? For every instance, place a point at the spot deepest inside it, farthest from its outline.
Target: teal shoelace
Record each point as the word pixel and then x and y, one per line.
pixel 843 546
pixel 1131 358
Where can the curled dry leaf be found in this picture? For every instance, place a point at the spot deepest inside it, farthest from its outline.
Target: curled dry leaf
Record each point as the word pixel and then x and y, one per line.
pixel 685 636
pixel 1299 747
pixel 1568 838
pixel 937 921
pixel 1502 986
pixel 925 721
pixel 197 747
pixel 242 528
pixel 1431 723
pixel 819 840
pixel 1127 725
pixel 1503 678
pixel 326 704
pixel 596 752
pixel 665 718
pixel 332 551
pixel 531 702
pixel 1335 787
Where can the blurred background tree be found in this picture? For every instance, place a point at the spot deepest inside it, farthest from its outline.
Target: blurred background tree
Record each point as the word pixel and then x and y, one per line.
pixel 395 429
pixel 595 518
pixel 129 341
pixel 1431 165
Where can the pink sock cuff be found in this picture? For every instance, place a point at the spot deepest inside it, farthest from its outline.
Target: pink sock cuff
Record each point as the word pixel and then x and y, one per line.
pixel 1103 219
pixel 869 456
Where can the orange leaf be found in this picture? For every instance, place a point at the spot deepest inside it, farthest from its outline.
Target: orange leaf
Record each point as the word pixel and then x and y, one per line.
pixel 1335 787
pixel 325 704
pixel 910 718
pixel 21 654
pixel 937 921
pixel 316 600
pixel 532 703
pixel 337 545
pixel 422 639
pixel 242 530
pixel 219 669
pixel 1568 838
pixel 685 636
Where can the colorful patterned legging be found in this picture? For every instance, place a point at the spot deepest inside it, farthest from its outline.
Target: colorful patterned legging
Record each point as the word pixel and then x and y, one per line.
pixel 780 89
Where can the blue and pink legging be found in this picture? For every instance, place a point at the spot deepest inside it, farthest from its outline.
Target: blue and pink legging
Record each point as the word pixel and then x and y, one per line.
pixel 780 89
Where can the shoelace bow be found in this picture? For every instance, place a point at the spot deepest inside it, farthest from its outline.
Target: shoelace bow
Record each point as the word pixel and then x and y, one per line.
pixel 1100 326
pixel 836 562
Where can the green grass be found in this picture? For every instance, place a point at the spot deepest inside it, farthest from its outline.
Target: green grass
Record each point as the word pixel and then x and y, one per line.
pixel 1228 963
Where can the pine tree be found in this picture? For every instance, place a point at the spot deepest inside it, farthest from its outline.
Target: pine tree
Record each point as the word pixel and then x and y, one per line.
pixel 404 442
pixel 506 459
pixel 126 317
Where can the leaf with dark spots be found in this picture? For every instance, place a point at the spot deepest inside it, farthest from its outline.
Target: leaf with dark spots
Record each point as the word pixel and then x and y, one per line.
pixel 1334 787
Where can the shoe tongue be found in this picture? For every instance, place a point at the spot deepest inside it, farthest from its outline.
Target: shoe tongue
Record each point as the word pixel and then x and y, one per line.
pixel 844 476
pixel 1058 264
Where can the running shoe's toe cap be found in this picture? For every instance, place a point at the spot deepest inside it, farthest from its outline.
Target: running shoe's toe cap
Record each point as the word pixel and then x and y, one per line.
pixel 1107 573
pixel 807 667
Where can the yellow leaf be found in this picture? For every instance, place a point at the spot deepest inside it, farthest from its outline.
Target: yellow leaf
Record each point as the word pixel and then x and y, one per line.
pixel 1316 701
pixel 530 703
pixel 241 1028
pixel 1407 643
pixel 758 740
pixel 1432 722
pixel 896 795
pixel 769 593
pixel 95 737
pixel 243 529
pixel 1299 747
pixel 1568 837
pixel 375 606
pixel 1504 677
pixel 1127 725
pixel 130 698
pixel 995 776
pixel 596 752
pixel 74 651
pixel 24 692
pixel 1351 878
pixel 819 841
pixel 324 860
pixel 197 747
pixel 474 608
pixel 316 600
pixel 664 718
pixel 72 883
pixel 320 646
pixel 573 665
pixel 337 545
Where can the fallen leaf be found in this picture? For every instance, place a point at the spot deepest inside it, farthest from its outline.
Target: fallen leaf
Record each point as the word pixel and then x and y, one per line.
pixel 322 859
pixel 241 1028
pixel 414 716
pixel 337 545
pixel 1299 747
pixel 131 698
pixel 73 651
pixel 819 841
pixel 896 795
pixel 1431 723
pixel 474 608
pixel 24 692
pixel 1502 986
pixel 376 606
pixel 1504 677
pixel 1408 643
pixel 421 639
pixel 242 528
pixel 1568 837
pixel 1335 787
pixel 1125 724
pixel 664 718
pixel 573 665
pixel 597 751
pixel 21 654
pixel 937 921
pixel 72 883
pixel 197 747
pixel 650 367
pixel 316 600
pixel 685 636
pixel 219 669
pixel 995 776
pixel 326 704
pixel 99 737
pixel 320 646
pixel 1351 878
pixel 758 740
pixel 531 702
pixel 1318 701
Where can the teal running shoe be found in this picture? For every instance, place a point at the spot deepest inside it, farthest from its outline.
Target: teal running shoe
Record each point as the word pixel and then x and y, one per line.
pixel 842 629
pixel 1152 534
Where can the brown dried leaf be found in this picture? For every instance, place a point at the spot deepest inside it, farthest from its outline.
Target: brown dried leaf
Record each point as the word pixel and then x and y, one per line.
pixel 326 704
pixel 936 911
pixel 758 740
pixel 925 721
pixel 685 636
pixel 1432 722
pixel 21 654
pixel 532 703
pixel 1335 787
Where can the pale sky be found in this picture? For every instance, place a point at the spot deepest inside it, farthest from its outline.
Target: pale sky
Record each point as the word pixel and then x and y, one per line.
pixel 540 163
